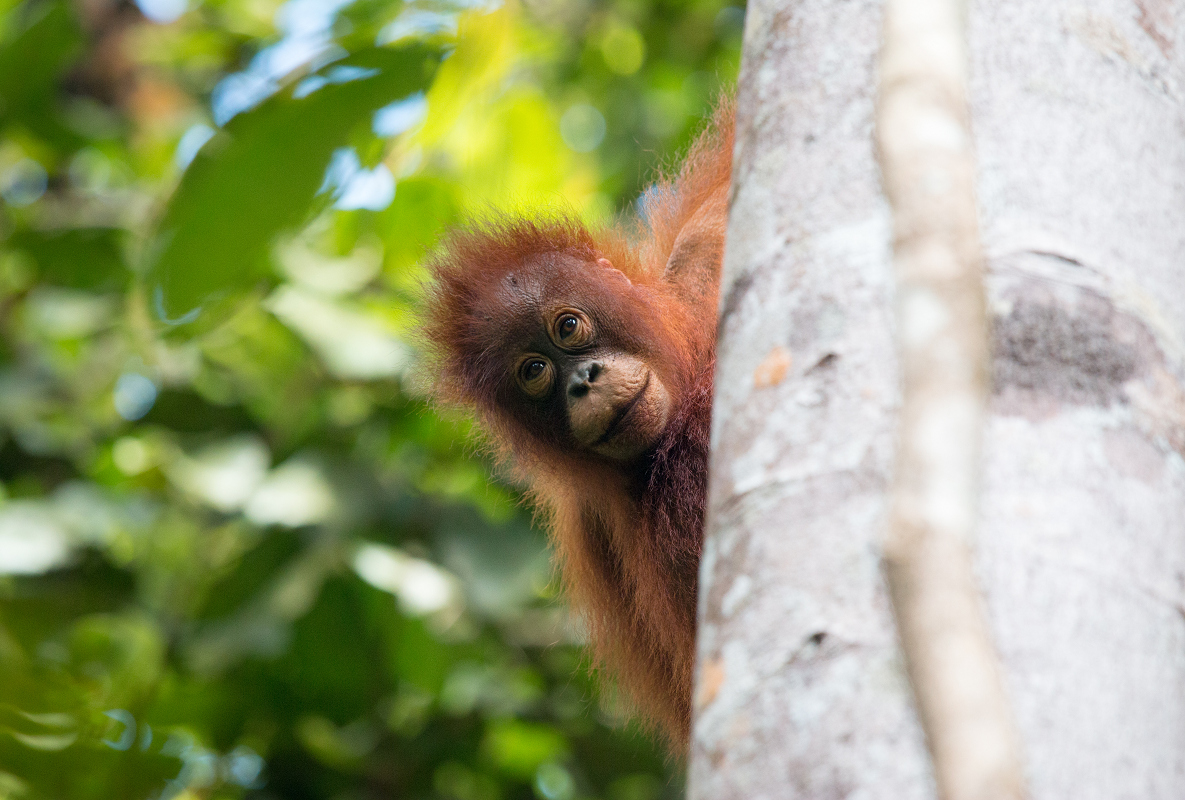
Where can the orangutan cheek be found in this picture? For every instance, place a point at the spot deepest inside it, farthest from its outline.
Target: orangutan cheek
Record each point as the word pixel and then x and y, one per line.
pixel 641 428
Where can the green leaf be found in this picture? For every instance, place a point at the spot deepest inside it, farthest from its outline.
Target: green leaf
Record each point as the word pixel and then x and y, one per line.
pixel 78 258
pixel 258 177
pixel 518 748
pixel 43 40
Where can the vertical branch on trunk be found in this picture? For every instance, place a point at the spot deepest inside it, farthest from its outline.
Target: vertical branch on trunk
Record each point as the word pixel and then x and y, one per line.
pixel 927 166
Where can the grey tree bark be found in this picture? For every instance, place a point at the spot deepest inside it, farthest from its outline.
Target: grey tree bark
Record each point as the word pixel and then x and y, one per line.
pixel 1076 110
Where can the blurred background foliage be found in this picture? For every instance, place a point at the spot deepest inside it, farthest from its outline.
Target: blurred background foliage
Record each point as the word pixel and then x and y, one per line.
pixel 240 554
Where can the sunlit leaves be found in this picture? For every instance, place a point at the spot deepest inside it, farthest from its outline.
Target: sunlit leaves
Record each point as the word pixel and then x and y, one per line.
pixel 519 748
pixel 258 177
pixel 253 560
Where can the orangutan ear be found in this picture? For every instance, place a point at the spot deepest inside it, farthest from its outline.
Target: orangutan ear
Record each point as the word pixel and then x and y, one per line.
pixel 613 271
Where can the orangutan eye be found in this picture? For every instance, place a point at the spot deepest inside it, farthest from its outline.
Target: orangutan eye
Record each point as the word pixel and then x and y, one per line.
pixel 534 375
pixel 571 329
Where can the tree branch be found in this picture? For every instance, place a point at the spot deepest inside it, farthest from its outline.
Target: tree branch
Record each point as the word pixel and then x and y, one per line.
pixel 928 167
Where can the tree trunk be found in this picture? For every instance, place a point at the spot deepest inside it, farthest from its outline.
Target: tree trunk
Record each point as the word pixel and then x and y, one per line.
pixel 1080 549
pixel 1077 110
pixel 801 689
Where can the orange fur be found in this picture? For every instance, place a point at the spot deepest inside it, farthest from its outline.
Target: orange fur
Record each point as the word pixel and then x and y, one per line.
pixel 628 537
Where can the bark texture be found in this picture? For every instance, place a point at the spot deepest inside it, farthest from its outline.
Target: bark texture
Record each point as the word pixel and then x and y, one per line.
pixel 801 690
pixel 1077 113
pixel 1080 130
pixel 928 168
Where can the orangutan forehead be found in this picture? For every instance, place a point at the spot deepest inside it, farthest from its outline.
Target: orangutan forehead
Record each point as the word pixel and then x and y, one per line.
pixel 529 291
pixel 510 316
pixel 520 291
pixel 516 310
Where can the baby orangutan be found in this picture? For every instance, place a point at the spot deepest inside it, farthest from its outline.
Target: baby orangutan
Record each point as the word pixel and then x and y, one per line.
pixel 588 357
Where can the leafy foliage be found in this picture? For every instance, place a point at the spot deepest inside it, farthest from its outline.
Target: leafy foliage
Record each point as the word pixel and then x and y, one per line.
pixel 240 554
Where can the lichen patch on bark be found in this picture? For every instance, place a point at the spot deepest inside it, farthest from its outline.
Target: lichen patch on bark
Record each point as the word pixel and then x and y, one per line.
pixel 1078 350
pixel 773 368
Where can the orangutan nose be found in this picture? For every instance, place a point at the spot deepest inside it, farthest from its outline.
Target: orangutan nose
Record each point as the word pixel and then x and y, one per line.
pixel 582 378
